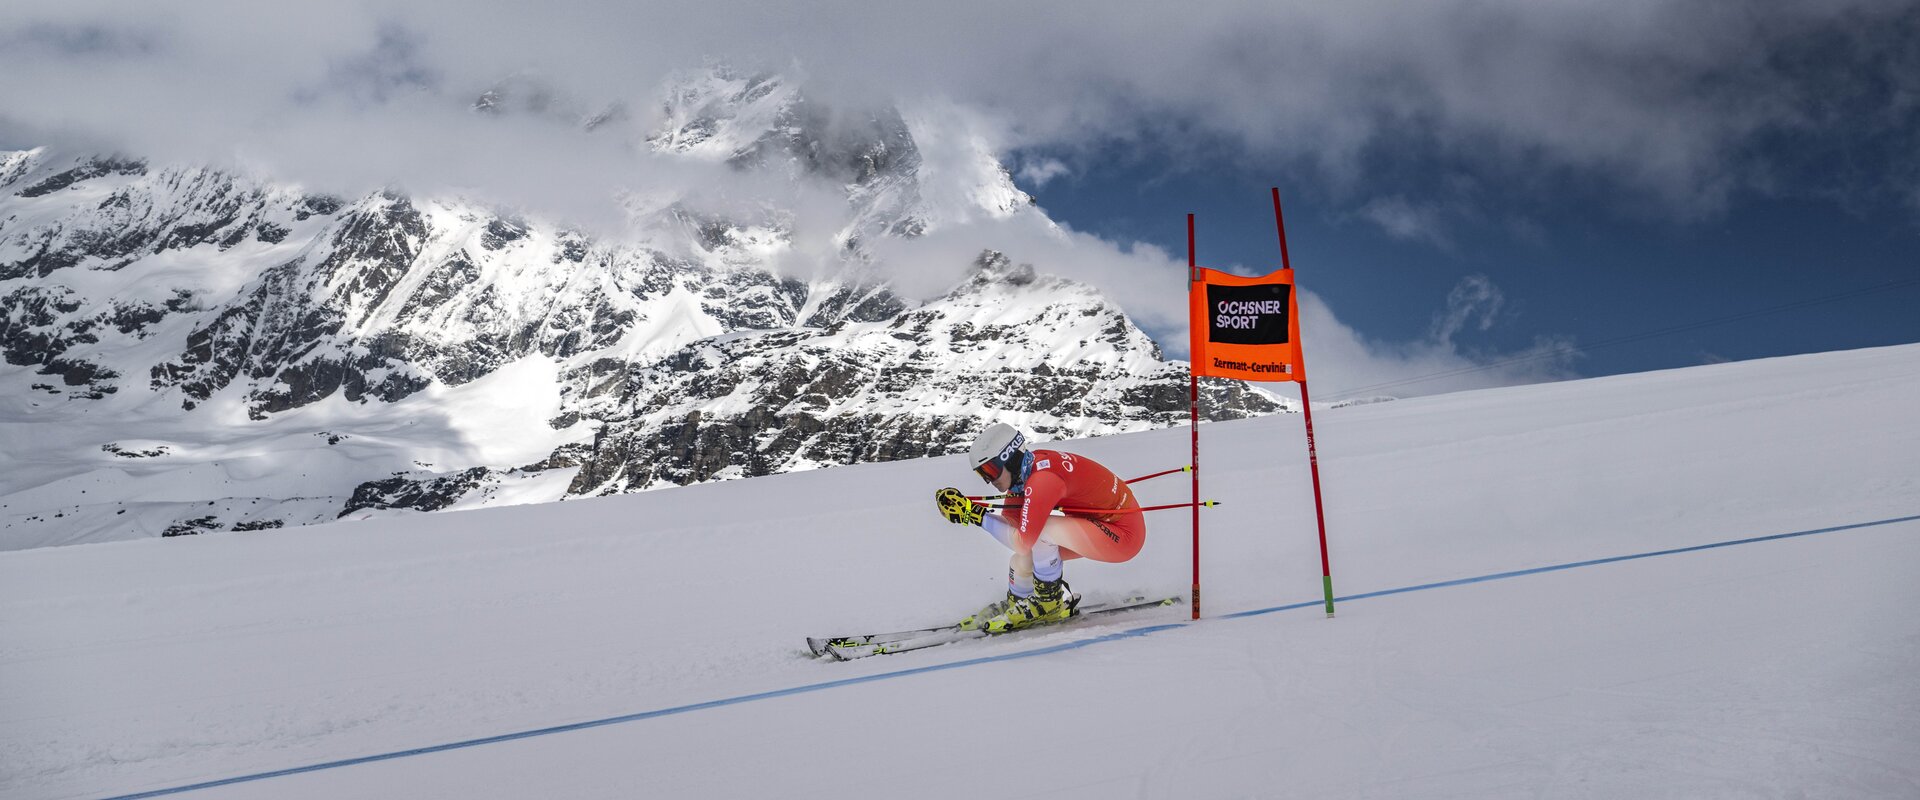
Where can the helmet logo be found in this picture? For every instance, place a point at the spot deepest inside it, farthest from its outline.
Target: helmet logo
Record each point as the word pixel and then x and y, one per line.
pixel 1019 442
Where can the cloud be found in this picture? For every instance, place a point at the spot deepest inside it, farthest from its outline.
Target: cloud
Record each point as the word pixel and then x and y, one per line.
pixel 1039 172
pixel 1666 96
pixel 1142 278
pixel 1346 364
pixel 1669 99
pixel 1404 220
pixel 1151 285
pixel 1474 301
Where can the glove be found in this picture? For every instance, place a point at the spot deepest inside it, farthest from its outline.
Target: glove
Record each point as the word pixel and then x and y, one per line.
pixel 957 508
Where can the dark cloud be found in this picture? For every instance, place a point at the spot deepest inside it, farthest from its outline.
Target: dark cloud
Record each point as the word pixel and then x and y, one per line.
pixel 95 40
pixel 1664 97
pixel 392 67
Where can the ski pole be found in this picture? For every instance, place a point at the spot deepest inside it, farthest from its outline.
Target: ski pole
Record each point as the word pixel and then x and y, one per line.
pixel 1162 473
pixel 1182 468
pixel 1205 503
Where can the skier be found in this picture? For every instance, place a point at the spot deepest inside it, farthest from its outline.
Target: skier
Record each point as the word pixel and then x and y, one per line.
pixel 1102 522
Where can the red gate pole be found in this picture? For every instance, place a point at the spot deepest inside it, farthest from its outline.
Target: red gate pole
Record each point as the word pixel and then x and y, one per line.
pixel 1306 405
pixel 1193 408
pixel 1313 466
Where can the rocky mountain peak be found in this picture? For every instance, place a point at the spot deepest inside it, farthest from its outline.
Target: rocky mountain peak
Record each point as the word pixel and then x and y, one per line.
pixel 303 357
pixel 992 268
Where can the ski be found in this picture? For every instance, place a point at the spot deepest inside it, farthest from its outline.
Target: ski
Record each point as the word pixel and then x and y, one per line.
pixel 819 646
pixel 847 648
pixel 849 652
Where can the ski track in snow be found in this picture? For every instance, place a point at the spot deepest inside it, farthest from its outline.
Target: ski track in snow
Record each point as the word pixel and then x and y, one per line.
pixel 1778 668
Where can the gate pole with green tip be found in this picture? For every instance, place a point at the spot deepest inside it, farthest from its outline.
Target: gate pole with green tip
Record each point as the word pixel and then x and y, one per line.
pixel 1306 406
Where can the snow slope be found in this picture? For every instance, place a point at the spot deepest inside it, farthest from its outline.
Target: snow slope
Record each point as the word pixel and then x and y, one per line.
pixel 1781 668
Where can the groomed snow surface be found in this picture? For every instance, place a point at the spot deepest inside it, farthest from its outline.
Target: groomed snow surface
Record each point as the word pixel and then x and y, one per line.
pixel 1781 668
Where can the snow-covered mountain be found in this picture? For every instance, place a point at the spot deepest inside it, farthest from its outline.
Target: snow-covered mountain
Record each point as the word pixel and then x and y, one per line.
pixel 194 349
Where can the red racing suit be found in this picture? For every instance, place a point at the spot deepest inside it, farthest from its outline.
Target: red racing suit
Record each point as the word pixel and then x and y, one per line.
pixel 1080 485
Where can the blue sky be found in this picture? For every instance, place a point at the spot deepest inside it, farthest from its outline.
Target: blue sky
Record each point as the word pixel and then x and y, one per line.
pixel 1468 181
pixel 1588 266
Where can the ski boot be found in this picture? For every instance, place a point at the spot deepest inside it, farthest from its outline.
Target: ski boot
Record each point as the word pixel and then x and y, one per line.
pixel 1052 601
pixel 996 608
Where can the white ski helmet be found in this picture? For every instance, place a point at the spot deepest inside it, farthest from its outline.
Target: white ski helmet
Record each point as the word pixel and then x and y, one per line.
pixel 1000 448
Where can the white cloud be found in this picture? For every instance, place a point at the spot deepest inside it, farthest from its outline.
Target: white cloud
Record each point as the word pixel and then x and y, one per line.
pixel 1150 284
pixel 1143 279
pixel 1474 301
pixel 1041 171
pixel 1343 364
pixel 1662 96
pixel 1404 220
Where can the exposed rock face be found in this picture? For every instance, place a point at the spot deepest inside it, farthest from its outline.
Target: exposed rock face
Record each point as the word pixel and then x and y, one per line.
pixel 429 493
pixel 919 383
pixel 682 356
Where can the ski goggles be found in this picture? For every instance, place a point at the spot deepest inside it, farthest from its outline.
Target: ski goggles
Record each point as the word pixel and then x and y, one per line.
pixel 989 471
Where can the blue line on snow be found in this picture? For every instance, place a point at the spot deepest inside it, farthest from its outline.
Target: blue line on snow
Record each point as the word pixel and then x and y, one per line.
pixel 814 687
pixel 1557 567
